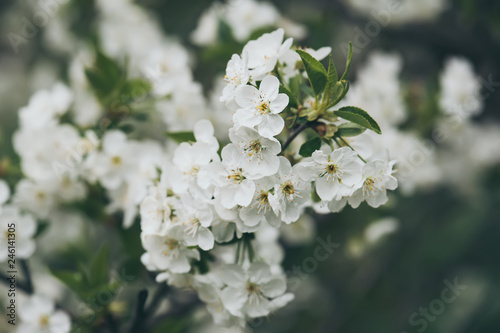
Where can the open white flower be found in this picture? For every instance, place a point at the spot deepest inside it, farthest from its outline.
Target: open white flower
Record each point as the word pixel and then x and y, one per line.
pixel 44 106
pixel 251 292
pixel 246 16
pixel 459 89
pixel 378 179
pixel 260 208
pixel 237 75
pixel 169 251
pixel 290 193
pixel 233 186
pixel 258 154
pixel 264 52
pixel 38 314
pixel 111 165
pixel 25 228
pixel 36 197
pixel 336 174
pixel 165 66
pixel 190 159
pixel 195 216
pixel 261 107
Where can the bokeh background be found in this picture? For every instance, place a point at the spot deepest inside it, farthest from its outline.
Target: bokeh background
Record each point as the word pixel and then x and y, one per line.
pixel 391 261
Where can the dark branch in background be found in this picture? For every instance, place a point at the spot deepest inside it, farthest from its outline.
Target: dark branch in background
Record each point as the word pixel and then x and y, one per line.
pixel 140 313
pixel 177 310
pixel 27 276
pixel 19 284
pixel 111 322
pixel 293 135
pixel 143 313
pixel 27 286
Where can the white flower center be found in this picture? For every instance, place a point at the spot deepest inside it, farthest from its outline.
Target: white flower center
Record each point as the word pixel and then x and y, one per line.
pixel 371 184
pixel 331 172
pixel 254 148
pixel 263 107
pixel 172 247
pixel 262 202
pixel 236 176
pixel 44 321
pixel 290 191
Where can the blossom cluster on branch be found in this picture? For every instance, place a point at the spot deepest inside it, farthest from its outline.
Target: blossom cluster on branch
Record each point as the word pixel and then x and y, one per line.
pixel 201 223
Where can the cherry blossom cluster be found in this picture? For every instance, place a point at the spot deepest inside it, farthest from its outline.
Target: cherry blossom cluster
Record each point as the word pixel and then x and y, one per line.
pixel 203 220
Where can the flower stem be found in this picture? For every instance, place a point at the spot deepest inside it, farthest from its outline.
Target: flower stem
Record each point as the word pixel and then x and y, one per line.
pixel 348 145
pixel 293 135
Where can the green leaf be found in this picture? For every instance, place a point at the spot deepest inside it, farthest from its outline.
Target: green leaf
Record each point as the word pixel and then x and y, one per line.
pixel 73 280
pixel 108 67
pixel 332 78
pixel 104 77
pixel 337 93
pixel 224 32
pixel 307 90
pixel 310 146
pixel 127 128
pixel 350 129
pixel 315 71
pixel 98 272
pixel 332 75
pixel 358 116
pixel 291 97
pixel 348 65
pixel 134 89
pixel 295 83
pixel 180 137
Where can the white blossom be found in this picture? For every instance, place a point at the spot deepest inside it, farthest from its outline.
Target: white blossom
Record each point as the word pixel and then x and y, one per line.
pixel 237 75
pixel 251 292
pixel 335 174
pixel 24 227
pixel 377 179
pixel 261 107
pixel 169 251
pixel 38 314
pixel 264 52
pixel 290 192
pixel 258 154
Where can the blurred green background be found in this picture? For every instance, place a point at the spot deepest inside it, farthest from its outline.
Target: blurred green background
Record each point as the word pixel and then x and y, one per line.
pixel 443 234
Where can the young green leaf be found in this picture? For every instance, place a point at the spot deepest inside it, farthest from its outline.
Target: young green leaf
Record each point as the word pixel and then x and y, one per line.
pixel 332 71
pixel 315 71
pixel 358 116
pixel 295 83
pixel 134 89
pixel 108 67
pixel 292 100
pixel 73 280
pixel 180 137
pixel 348 65
pixel 310 146
pixel 99 266
pixel 337 93
pixel 104 77
pixel 350 129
